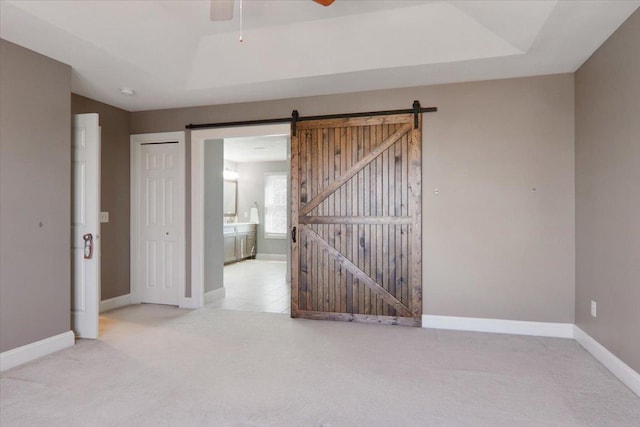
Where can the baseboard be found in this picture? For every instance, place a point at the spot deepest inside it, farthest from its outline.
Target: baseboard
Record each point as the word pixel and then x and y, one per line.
pixel 113 303
pixel 215 294
pixel 499 326
pixel 621 370
pixel 20 355
pixel 188 302
pixel 272 257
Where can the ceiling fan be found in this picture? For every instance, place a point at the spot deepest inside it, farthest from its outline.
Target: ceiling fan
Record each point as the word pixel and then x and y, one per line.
pixel 222 10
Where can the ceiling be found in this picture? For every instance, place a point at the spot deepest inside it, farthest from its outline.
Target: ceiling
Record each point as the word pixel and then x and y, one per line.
pixel 172 55
pixel 256 149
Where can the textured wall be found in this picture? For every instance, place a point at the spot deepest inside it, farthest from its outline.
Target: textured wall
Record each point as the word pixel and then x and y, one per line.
pixel 492 247
pixel 608 193
pixel 114 193
pixel 35 196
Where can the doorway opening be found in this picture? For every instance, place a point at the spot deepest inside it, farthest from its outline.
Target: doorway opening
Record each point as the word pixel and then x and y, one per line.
pixel 240 218
pixel 255 223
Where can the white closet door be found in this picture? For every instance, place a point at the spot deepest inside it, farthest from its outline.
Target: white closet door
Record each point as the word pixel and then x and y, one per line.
pixel 161 224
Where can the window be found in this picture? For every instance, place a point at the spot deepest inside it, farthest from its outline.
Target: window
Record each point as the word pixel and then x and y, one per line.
pixel 275 206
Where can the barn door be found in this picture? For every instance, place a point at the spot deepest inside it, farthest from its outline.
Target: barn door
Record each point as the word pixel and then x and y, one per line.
pixel 356 219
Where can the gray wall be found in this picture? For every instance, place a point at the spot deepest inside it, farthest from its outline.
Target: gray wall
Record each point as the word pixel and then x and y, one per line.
pixel 608 193
pixel 35 196
pixel 251 189
pixel 114 193
pixel 213 243
pixel 492 247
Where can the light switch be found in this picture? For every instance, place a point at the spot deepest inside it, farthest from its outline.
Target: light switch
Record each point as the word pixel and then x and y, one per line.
pixel 104 216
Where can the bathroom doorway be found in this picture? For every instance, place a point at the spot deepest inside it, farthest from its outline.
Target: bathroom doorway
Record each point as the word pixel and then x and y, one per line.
pixel 255 230
pixel 240 218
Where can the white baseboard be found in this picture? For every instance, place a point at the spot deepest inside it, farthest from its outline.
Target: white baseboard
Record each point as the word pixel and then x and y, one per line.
pixel 113 303
pixel 189 302
pixel 499 326
pixel 624 372
pixel 35 350
pixel 272 257
pixel 215 294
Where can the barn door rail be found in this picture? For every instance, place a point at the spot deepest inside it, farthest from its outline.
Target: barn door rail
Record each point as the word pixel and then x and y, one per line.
pixel 416 110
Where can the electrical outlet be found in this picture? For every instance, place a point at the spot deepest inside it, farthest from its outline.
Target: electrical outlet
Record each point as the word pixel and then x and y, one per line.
pixel 104 216
pixel 594 308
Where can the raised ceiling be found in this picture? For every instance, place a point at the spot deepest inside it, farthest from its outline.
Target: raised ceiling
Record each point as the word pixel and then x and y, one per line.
pixel 174 56
pixel 257 149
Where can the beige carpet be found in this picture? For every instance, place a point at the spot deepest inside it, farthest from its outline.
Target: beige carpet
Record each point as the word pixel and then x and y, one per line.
pixel 160 366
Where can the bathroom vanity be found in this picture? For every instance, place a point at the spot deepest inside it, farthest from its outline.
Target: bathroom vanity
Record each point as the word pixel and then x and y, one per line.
pixel 240 242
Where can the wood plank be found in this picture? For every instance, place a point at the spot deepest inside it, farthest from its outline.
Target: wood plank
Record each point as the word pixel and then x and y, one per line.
pixel 371 155
pixel 340 166
pixel 313 151
pixel 295 202
pixel 373 201
pixel 309 250
pixel 359 318
pixel 366 191
pixel 342 227
pixel 319 271
pixel 315 170
pixel 304 271
pixel 361 211
pixel 394 235
pixel 335 229
pixel 350 202
pixel 355 121
pixel 384 240
pixel 361 275
pixel 329 228
pixel 391 230
pixel 415 206
pixel 322 228
pixel 373 220
pixel 335 209
pixel 319 303
pixel 405 211
pixel 382 200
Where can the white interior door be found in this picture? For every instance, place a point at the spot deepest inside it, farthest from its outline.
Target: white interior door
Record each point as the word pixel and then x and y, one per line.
pixel 160 220
pixel 85 247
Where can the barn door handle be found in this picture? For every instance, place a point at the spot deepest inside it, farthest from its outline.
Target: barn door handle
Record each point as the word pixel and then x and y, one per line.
pixel 293 234
pixel 88 245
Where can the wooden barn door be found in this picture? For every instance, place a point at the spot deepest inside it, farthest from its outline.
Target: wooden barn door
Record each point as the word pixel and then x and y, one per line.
pixel 356 219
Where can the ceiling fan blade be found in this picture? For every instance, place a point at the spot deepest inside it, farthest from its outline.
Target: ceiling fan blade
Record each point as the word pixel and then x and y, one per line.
pixel 221 10
pixel 324 2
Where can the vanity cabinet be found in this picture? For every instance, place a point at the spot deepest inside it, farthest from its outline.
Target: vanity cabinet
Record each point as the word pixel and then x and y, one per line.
pixel 240 242
pixel 230 251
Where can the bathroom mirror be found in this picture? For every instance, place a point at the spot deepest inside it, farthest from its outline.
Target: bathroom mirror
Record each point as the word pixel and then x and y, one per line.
pixel 230 197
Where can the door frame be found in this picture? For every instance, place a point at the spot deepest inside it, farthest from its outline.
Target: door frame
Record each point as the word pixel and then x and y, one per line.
pixel 198 139
pixel 136 264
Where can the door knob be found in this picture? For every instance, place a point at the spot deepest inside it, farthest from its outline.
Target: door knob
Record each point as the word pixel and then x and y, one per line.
pixel 88 245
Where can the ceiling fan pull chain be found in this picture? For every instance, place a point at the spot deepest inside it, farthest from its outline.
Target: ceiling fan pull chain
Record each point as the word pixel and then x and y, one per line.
pixel 240 38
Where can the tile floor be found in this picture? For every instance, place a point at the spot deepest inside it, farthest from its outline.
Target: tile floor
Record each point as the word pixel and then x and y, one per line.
pixel 255 285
